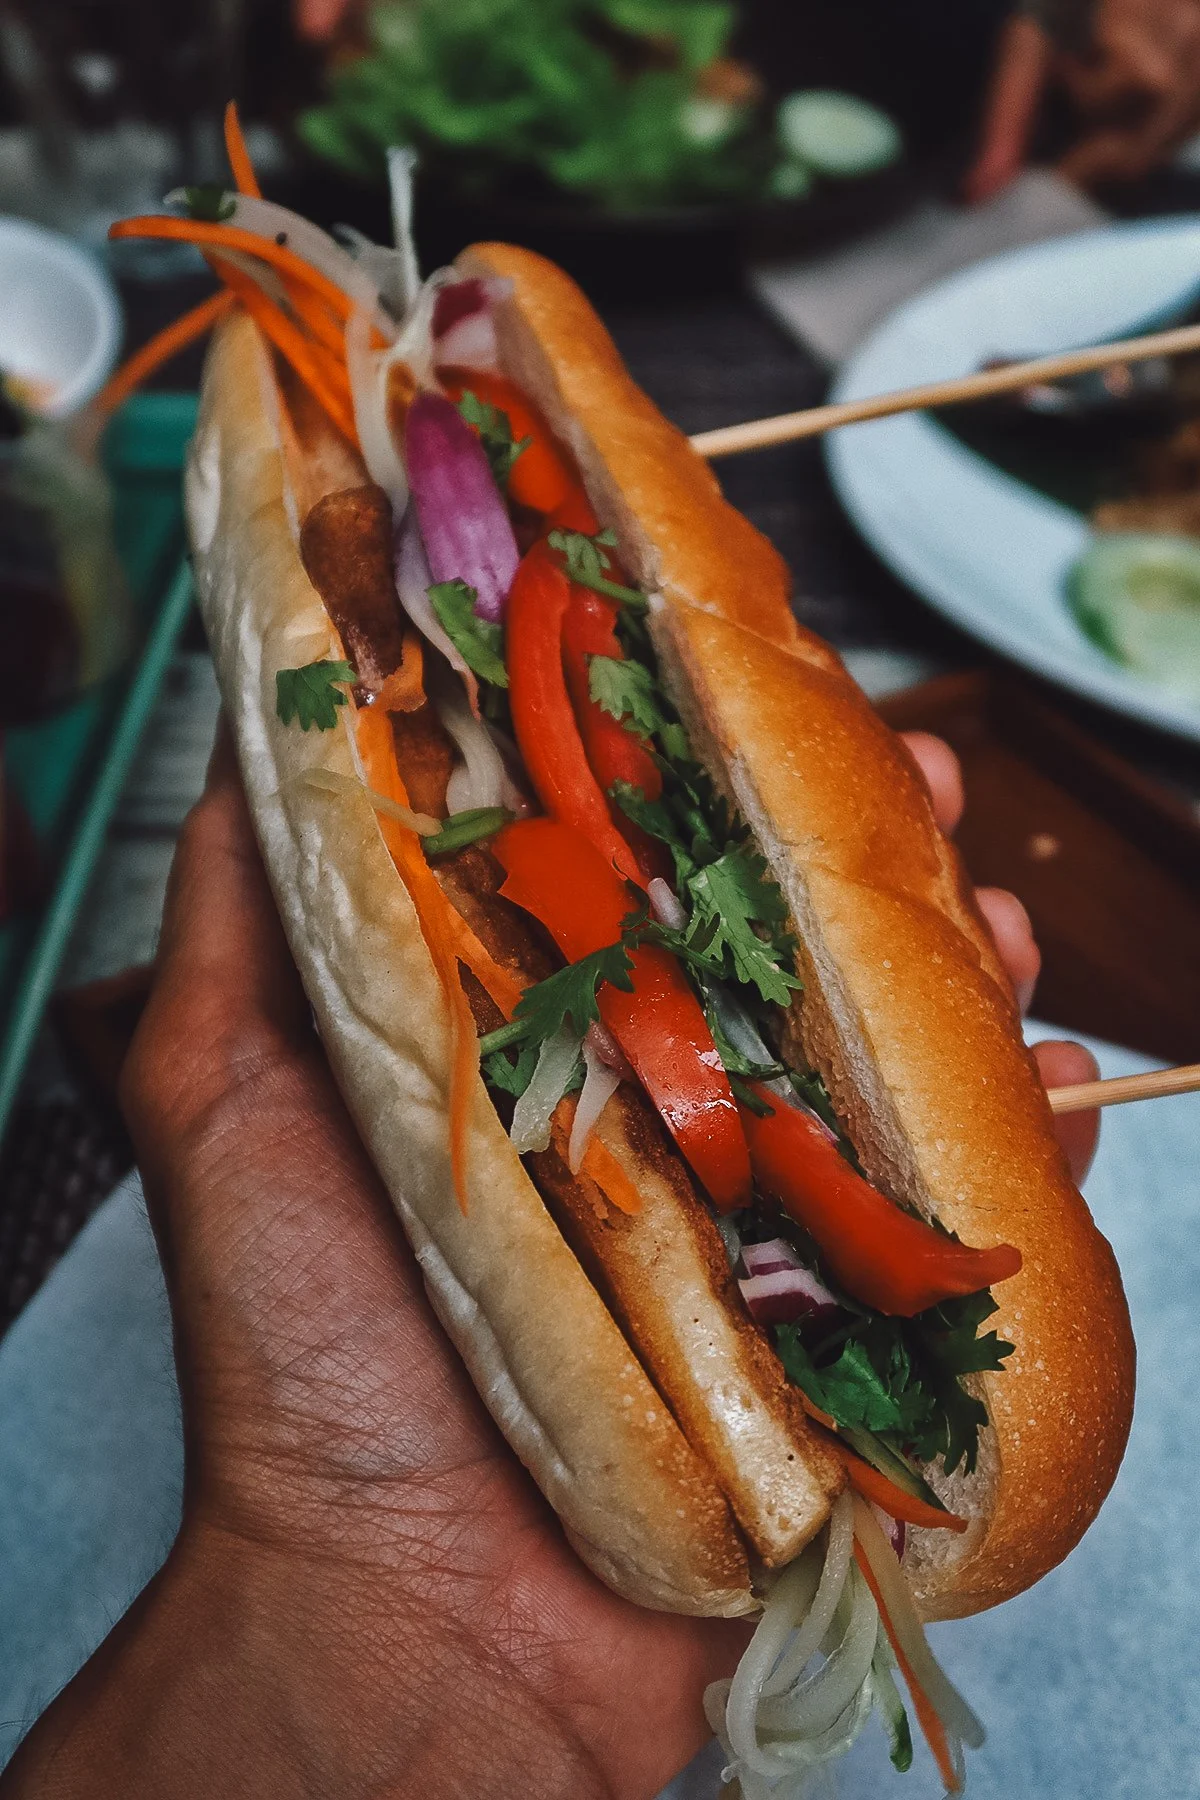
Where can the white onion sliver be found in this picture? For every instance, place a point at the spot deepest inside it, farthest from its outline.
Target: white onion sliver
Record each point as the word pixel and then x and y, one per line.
pixel 600 1083
pixel 481 778
pixel 817 1704
pixel 368 392
pixel 424 824
pixel 402 163
pixel 531 1115
pixel 665 904
pixel 833 1579
pixel 943 1696
pixel 786 1602
pixel 267 220
pixel 413 582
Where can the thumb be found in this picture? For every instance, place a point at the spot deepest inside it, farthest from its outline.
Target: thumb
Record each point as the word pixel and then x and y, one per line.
pixel 1018 82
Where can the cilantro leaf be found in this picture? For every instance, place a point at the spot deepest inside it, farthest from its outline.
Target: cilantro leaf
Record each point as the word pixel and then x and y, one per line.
pixel 312 694
pixel 627 691
pixel 477 640
pixel 209 202
pixel 566 997
pixel 511 1077
pixel 731 895
pixel 586 564
pixel 495 434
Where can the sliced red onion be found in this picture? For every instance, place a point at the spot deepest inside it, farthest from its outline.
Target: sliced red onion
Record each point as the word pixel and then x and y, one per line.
pixel 531 1115
pixel 786 1295
pixel 892 1529
pixel 769 1258
pixel 413 581
pixel 464 523
pixel 608 1050
pixel 665 904
pixel 600 1083
pixel 368 372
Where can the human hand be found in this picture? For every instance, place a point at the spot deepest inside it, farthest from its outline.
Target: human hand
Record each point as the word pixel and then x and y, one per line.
pixel 1135 93
pixel 368 1594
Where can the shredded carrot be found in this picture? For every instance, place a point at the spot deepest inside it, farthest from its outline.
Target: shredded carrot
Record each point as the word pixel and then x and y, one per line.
pixel 313 313
pixel 875 1486
pixel 931 1725
pixel 814 1412
pixel 610 1177
pixel 239 156
pixel 313 365
pixel 160 349
pixel 207 236
pixel 404 689
pixel 375 745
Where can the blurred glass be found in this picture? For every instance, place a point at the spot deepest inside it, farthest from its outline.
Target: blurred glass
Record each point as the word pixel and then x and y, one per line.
pixel 65 614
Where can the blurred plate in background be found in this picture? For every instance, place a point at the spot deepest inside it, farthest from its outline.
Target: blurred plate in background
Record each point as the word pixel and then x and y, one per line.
pixel 986 550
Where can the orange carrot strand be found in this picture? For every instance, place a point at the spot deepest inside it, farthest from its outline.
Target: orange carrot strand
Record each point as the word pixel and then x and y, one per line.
pixel 931 1725
pixel 233 237
pixel 313 365
pixel 161 348
pixel 239 157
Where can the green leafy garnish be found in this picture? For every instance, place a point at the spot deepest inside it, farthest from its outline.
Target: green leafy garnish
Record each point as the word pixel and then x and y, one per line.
pixel 566 997
pixel 729 898
pixel 313 693
pixel 466 827
pixel 210 203
pixel 586 564
pixel 511 1075
pixel 477 640
pixel 900 1379
pixel 627 691
pixel 495 434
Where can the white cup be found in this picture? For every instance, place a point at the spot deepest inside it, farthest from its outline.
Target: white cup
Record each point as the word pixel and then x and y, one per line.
pixel 60 319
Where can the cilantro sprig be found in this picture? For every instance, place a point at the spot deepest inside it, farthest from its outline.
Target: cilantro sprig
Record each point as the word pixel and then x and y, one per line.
pixel 312 694
pixel 478 641
pixel 900 1379
pixel 587 562
pixel 495 434
pixel 209 202
pixel 568 997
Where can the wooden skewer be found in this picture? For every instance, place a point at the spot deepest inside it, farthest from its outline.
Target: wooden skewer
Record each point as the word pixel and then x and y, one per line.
pixel 758 434
pixel 1123 1088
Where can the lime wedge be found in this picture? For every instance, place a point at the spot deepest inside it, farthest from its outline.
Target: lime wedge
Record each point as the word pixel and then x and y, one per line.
pixel 1137 596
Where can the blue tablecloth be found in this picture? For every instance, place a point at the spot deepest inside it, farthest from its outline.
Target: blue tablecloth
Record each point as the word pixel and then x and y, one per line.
pixel 1088 1684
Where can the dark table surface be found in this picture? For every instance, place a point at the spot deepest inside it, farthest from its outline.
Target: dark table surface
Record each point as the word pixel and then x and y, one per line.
pixel 706 362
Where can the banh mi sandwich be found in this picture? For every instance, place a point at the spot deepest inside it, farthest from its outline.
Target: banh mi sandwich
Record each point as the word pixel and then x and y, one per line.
pixel 659 999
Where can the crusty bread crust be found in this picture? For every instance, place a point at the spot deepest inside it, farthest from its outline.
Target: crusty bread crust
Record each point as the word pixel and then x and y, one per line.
pixel 638 1502
pixel 907 1012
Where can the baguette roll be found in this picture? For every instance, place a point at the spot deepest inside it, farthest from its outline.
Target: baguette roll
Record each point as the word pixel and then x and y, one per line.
pixel 612 1350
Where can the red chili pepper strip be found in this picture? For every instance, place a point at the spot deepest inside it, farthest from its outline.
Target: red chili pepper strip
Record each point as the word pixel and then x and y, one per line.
pixel 574 513
pixel 880 1254
pixel 614 753
pixel 540 476
pixel 564 881
pixel 547 734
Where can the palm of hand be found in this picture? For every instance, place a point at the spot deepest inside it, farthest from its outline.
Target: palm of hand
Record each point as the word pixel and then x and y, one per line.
pixel 331 1427
pixel 396 1558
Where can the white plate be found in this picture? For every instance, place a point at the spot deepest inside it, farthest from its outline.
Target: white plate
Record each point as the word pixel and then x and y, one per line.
pixel 987 551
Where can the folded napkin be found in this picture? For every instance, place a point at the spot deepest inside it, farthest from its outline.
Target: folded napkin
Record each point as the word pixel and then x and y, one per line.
pixel 1086 1684
pixel 833 301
